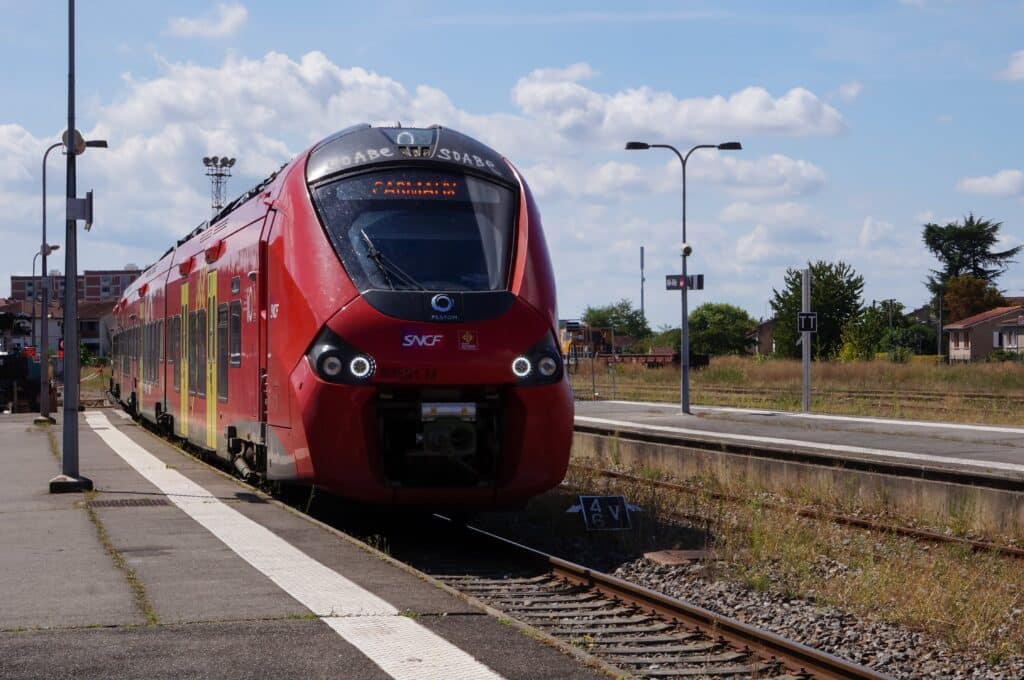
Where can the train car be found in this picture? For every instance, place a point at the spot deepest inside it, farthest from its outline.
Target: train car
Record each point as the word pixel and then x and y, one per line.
pixel 377 319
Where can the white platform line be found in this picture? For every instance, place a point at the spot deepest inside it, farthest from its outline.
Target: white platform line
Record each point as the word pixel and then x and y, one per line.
pixel 825 416
pixel 398 645
pixel 821 446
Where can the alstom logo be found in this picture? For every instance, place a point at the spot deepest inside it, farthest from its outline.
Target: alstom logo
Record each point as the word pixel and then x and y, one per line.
pixel 422 339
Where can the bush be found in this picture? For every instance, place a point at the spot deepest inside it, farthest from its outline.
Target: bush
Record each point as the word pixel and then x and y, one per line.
pixel 1004 355
pixel 900 355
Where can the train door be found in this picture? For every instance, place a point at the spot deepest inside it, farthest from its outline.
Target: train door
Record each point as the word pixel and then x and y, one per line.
pixel 273 314
pixel 183 357
pixel 197 381
pixel 210 360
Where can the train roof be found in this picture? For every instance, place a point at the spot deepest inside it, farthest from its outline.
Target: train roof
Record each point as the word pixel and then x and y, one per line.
pixel 364 145
pixel 357 146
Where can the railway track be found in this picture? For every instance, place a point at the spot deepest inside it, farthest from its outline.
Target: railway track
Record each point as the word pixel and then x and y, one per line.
pixel 825 515
pixel 631 631
pixel 634 631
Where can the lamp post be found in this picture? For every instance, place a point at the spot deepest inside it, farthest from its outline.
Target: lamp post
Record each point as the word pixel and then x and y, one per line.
pixel 77 209
pixel 44 251
pixel 684 344
pixel 44 333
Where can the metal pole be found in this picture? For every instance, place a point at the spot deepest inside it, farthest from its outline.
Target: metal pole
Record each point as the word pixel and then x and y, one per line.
pixel 684 329
pixel 70 480
pixel 938 334
pixel 612 364
pixel 44 369
pixel 35 294
pixel 593 379
pixel 805 341
pixel 642 280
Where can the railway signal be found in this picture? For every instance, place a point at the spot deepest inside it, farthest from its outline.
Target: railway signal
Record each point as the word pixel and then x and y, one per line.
pixel 807 322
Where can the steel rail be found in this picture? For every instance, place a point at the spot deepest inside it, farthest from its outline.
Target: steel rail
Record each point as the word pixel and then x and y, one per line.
pixel 812 663
pixel 838 518
pixel 808 663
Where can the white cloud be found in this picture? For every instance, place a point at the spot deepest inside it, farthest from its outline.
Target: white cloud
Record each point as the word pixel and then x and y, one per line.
pixel 945 119
pixel 874 232
pixel 761 247
pixel 788 213
pixel 1015 70
pixel 557 97
pixel 576 18
pixel 767 177
pixel 227 20
pixel 1003 184
pixel 151 189
pixel 850 91
pixel 613 181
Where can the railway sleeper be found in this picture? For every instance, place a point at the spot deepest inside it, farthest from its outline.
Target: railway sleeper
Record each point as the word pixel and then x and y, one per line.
pixel 583 615
pixel 687 659
pixel 613 621
pixel 752 670
pixel 661 649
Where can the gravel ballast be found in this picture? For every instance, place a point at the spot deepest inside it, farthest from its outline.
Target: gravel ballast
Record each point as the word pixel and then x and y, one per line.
pixel 886 648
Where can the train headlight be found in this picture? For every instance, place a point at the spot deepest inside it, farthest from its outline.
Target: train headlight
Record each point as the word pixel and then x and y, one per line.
pixel 522 367
pixel 540 365
pixel 336 361
pixel 361 367
pixel 331 366
pixel 547 366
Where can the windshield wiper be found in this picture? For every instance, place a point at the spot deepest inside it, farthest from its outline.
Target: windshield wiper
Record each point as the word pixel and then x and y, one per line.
pixel 387 267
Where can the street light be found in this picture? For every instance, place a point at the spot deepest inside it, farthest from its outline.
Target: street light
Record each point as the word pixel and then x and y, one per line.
pixel 69 480
pixel 684 344
pixel 44 251
pixel 80 145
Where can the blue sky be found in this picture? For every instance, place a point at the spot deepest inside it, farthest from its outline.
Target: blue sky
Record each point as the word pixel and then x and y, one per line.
pixel 860 122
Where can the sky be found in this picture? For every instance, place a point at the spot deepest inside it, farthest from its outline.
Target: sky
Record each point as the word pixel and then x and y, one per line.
pixel 860 122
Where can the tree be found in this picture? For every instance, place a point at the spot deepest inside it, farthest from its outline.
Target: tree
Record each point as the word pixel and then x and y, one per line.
pixel 621 316
pixel 836 297
pixel 863 334
pixel 717 328
pixel 969 295
pixel 919 338
pixel 966 249
pixel 665 336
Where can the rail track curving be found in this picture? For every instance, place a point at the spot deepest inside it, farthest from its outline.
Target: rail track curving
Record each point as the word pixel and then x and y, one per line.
pixel 633 630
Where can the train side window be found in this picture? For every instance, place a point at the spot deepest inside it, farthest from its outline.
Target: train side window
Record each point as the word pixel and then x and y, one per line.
pixel 160 341
pixel 173 339
pixel 191 353
pixel 201 353
pixel 222 352
pixel 235 336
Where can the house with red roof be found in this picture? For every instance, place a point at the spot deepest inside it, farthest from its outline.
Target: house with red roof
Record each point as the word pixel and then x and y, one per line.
pixel 975 337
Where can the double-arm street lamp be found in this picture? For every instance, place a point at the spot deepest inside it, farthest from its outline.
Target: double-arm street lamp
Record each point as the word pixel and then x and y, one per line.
pixel 684 344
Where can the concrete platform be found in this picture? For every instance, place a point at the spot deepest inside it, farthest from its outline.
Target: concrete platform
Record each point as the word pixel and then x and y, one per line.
pixel 990 450
pixel 171 569
pixel 970 475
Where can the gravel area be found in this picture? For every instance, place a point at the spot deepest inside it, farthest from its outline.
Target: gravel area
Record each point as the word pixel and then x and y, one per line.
pixel 883 647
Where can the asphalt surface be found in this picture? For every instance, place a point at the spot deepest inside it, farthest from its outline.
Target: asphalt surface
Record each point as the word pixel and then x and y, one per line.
pixel 993 449
pixel 131 586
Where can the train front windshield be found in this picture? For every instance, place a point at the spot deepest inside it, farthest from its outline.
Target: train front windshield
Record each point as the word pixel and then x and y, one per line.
pixel 420 229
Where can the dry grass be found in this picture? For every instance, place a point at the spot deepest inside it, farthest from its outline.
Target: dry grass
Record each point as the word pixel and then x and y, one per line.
pixel 94 381
pixel 973 601
pixel 983 393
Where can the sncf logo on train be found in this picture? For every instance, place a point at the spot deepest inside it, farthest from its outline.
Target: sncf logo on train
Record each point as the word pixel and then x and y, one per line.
pixel 412 338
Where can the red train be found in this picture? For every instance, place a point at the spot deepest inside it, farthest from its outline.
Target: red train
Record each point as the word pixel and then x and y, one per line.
pixel 377 318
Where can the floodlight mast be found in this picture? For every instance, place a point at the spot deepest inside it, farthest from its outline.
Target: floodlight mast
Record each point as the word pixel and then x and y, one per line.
pixel 218 169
